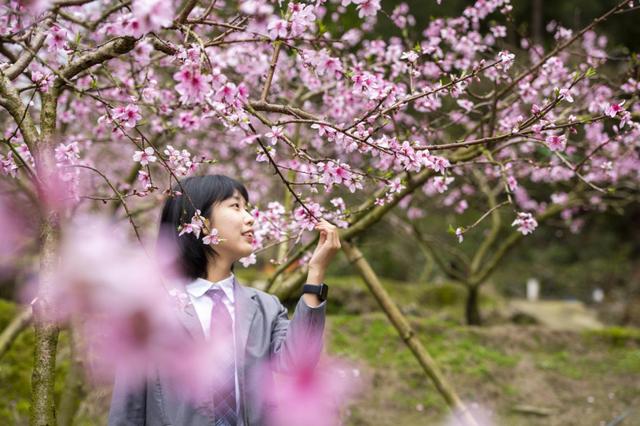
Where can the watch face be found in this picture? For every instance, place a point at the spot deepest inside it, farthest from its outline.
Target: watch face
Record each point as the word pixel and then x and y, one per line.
pixel 324 290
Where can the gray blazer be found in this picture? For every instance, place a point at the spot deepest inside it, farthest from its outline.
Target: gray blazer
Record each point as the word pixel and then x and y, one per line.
pixel 263 332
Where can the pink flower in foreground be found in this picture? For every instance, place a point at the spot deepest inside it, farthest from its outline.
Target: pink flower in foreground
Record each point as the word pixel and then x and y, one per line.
pixel 145 157
pixel 525 222
pixel 194 227
pixel 212 238
pixel 306 394
pixel 611 110
pixel 122 298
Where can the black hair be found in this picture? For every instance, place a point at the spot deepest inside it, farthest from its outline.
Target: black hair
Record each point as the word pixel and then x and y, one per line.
pixel 197 193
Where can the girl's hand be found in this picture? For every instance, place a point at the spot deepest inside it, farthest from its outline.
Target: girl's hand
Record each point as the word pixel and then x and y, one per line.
pixel 328 246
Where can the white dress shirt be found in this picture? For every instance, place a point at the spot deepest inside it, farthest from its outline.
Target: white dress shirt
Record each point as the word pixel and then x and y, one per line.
pixel 203 305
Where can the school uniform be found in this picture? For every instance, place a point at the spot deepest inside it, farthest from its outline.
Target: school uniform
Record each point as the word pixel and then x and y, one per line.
pixel 262 333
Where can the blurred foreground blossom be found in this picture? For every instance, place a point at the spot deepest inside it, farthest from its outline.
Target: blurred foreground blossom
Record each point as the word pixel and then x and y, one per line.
pixel 306 394
pixel 11 229
pixel 128 310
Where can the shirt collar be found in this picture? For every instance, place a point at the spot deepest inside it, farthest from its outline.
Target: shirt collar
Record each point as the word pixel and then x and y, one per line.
pixel 200 286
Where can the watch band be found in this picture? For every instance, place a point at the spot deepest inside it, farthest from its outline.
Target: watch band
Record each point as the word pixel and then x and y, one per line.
pixel 321 290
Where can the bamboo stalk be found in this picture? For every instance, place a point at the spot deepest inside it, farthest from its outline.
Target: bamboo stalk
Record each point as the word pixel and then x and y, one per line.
pixel 406 332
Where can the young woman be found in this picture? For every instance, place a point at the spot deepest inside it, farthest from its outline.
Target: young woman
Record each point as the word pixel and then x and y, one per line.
pixel 261 333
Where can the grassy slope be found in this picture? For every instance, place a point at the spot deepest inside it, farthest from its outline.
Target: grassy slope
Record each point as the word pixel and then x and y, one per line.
pixel 583 378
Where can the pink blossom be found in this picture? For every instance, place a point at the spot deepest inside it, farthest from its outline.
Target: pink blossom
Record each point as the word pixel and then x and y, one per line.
pixel 278 28
pixel 127 116
pixel 334 173
pixel 188 121
pixel 180 162
pixel 211 238
pixel 506 59
pixel 122 300
pixel 556 142
pixel 248 260
pixel 195 227
pixel 152 15
pixel 459 234
pixel 306 219
pixel 262 156
pixel 499 31
pixel 227 93
pixel 8 166
pixel 306 393
pixel 57 38
pixel 438 164
pixel 441 183
pixel 145 157
pixel 461 206
pixel 326 64
pixel 276 133
pixel 410 56
pixel 566 95
pixel 525 222
pixel 302 17
pixel 611 110
pixel 367 7
pixel 145 179
pixel 192 86
pixel 466 104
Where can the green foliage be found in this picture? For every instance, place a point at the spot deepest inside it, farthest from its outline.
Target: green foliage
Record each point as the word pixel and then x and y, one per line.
pixel 16 366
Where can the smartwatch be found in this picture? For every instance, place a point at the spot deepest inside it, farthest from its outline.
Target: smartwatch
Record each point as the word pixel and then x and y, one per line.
pixel 320 290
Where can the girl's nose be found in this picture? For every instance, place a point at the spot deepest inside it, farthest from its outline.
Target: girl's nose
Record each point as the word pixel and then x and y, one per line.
pixel 249 217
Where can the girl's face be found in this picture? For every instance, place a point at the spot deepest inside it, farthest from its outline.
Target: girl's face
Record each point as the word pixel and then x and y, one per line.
pixel 235 226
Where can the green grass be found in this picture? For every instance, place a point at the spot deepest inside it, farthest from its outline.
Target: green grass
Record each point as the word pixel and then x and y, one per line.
pixel 373 339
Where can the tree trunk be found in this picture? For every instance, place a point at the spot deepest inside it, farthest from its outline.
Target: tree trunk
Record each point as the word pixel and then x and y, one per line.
pixel 405 331
pixel 472 308
pixel 43 377
pixel 46 338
